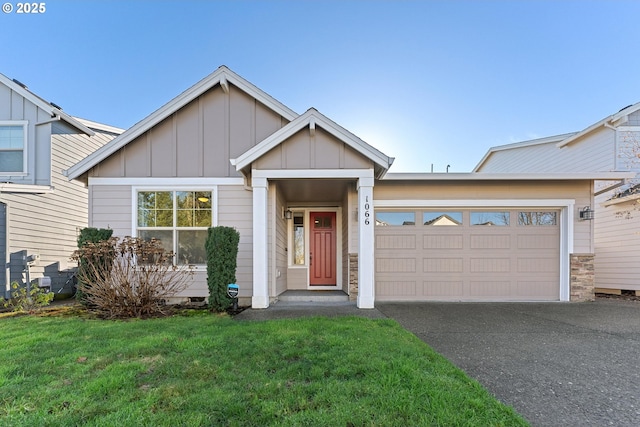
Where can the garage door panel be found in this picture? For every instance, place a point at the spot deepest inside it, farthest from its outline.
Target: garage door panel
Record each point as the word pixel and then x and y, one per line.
pixel 395 265
pixel 399 288
pixel 537 265
pixel 490 265
pixel 443 265
pixel 493 289
pixel 488 241
pixel 454 241
pixel 396 241
pixel 468 263
pixel 443 288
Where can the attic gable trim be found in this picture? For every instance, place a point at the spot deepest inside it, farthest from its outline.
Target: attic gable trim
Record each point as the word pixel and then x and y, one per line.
pixel 222 76
pixel 44 105
pixel 606 122
pixel 311 119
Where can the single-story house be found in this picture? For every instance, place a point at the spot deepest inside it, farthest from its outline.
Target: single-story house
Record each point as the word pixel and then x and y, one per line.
pixel 317 208
pixel 609 145
pixel 41 211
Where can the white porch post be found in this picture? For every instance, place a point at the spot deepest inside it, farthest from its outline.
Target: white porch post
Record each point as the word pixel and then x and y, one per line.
pixel 260 297
pixel 366 253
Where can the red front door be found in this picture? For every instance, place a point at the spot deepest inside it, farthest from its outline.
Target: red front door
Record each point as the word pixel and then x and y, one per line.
pixel 322 256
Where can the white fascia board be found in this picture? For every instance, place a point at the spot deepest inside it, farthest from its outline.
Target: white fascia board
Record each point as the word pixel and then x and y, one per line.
pixel 312 173
pixel 172 106
pixel 311 118
pixel 165 182
pixel 484 203
pixel 619 200
pixel 100 126
pixel 471 176
pixel 44 105
pixel 26 188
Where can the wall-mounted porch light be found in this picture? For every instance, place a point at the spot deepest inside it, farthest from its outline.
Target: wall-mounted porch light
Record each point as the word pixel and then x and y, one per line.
pixel 288 214
pixel 586 214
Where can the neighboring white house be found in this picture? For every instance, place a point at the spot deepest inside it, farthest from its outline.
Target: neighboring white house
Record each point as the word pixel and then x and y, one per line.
pixel 317 209
pixel 611 144
pixel 40 210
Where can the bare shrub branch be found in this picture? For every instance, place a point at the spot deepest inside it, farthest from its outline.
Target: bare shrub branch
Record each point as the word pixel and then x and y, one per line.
pixel 129 278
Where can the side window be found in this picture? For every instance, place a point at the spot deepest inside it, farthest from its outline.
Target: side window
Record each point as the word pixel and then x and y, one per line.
pixel 384 219
pixel 13 137
pixel 442 218
pixel 537 218
pixel 490 218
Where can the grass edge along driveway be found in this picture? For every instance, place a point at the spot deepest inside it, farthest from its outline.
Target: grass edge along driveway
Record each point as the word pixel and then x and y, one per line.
pixel 205 369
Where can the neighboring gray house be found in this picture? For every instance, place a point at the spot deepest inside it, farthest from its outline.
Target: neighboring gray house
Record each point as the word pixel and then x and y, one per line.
pixel 317 209
pixel 609 145
pixel 41 211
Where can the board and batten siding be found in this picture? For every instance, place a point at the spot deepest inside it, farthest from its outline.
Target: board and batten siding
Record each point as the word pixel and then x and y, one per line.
pixel 196 141
pixel 594 152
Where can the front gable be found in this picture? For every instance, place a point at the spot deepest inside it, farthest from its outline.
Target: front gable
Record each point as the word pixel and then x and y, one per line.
pixel 313 150
pixel 312 141
pixel 193 135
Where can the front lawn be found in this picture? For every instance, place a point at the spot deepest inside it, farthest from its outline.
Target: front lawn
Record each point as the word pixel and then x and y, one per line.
pixel 209 370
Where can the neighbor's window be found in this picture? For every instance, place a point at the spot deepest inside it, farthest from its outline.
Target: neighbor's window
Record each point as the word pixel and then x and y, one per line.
pixel 537 218
pixel 490 218
pixel 12 143
pixel 395 218
pixel 442 218
pixel 179 219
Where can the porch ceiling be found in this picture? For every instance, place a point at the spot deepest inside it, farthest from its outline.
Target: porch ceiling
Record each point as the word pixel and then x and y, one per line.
pixel 314 190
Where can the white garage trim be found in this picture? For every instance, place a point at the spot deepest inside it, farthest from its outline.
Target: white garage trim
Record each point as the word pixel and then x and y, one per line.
pixel 566 207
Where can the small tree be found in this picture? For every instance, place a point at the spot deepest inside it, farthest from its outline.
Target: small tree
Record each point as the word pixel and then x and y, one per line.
pixel 129 278
pixel 89 235
pixel 222 253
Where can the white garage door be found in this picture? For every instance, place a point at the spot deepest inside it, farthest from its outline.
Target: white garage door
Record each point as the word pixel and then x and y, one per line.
pixel 467 255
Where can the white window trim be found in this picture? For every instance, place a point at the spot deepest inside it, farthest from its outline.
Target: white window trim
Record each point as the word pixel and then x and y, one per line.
pixel 134 202
pixel 24 124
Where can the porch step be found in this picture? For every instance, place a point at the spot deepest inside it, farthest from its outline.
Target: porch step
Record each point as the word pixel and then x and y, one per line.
pixel 313 296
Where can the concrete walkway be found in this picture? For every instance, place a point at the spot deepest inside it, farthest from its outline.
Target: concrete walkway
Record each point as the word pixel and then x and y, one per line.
pixel 557 364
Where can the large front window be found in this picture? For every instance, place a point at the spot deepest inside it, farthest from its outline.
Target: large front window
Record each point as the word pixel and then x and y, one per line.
pixel 12 143
pixel 179 219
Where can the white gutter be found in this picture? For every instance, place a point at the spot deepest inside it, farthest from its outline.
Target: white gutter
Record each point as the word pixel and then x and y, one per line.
pixel 8 187
pixel 605 176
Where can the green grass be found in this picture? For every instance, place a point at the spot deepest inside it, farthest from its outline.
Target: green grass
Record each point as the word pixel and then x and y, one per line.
pixel 208 370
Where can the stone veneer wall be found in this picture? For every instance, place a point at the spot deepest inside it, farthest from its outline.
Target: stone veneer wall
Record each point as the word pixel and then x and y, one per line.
pixel 582 277
pixel 353 277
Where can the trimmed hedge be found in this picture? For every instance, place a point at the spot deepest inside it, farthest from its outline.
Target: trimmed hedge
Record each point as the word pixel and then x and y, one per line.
pixel 89 235
pixel 222 253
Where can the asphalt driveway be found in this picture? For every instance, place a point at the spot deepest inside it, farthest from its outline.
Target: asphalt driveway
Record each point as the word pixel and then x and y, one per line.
pixel 557 364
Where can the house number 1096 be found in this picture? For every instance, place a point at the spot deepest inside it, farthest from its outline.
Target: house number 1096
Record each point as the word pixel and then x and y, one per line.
pixel 367 211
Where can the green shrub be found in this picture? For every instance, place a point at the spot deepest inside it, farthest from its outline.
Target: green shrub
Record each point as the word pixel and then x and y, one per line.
pixel 222 252
pixel 23 299
pixel 88 235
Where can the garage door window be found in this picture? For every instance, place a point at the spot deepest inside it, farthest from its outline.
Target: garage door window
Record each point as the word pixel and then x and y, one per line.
pixel 442 218
pixel 384 219
pixel 537 218
pixel 490 218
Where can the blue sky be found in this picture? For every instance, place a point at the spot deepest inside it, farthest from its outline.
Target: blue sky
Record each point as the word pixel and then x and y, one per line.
pixel 426 82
